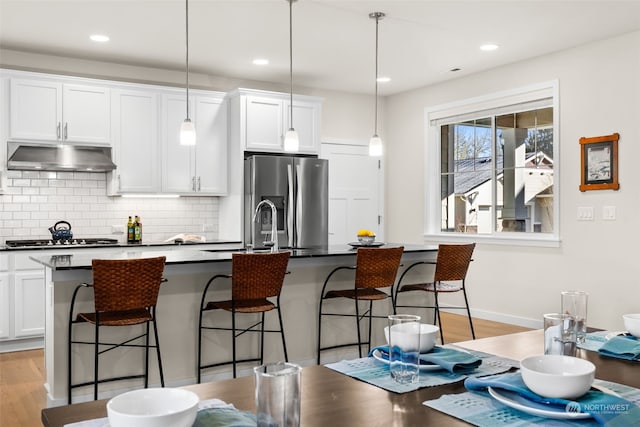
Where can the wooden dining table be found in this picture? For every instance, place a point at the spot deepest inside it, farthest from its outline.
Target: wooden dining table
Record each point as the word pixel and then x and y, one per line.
pixel 331 398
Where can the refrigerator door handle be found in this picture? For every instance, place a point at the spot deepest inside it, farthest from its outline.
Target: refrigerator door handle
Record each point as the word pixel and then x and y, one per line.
pixel 290 230
pixel 298 221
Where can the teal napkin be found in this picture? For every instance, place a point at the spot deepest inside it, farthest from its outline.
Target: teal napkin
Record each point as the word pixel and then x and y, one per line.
pixel 224 417
pixel 622 347
pixel 604 408
pixel 447 358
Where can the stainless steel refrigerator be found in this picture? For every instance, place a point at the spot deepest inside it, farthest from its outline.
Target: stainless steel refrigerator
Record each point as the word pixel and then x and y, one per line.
pixel 298 187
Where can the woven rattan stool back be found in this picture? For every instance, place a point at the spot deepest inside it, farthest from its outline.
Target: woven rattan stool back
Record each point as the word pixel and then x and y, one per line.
pixel 126 284
pixel 453 262
pixel 377 267
pixel 257 276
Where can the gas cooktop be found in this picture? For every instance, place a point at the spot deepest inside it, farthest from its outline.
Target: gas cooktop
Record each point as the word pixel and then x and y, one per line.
pixel 47 243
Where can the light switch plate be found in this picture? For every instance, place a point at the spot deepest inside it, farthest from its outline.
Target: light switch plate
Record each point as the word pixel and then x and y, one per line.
pixel 585 213
pixel 609 213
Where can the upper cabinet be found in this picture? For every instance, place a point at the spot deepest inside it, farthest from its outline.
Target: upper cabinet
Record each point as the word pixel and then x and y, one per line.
pixel 135 141
pixel 51 111
pixel 262 119
pixel 201 169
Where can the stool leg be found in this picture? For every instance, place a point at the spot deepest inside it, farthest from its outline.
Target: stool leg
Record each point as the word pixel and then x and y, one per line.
pixel 95 360
pixel 437 313
pixel 200 347
pixel 466 302
pixel 69 367
pixel 155 332
pixel 233 337
pixel 319 327
pixel 284 344
pixel 370 315
pixel 262 339
pixel 358 327
pixel 146 358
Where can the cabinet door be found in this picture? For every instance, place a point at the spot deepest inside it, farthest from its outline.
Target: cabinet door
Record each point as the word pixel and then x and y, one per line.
pixel 177 173
pixel 86 114
pixel 29 303
pixel 36 110
pixel 264 124
pixel 211 146
pixel 5 306
pixel 135 138
pixel 306 121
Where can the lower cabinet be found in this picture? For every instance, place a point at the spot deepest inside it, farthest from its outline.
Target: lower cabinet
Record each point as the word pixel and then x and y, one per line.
pixel 5 307
pixel 29 303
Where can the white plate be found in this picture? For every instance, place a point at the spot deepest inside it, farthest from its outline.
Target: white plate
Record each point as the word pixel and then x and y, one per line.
pixel 376 355
pixel 515 401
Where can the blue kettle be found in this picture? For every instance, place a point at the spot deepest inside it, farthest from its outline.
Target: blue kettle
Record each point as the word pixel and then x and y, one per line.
pixel 60 232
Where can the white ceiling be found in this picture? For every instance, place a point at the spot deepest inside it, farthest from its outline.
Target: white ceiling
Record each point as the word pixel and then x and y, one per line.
pixel 334 40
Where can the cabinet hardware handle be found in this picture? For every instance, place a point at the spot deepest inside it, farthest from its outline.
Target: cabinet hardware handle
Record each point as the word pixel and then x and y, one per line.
pixel 199 184
pixel 119 183
pixel 58 131
pixel 193 183
pixel 65 130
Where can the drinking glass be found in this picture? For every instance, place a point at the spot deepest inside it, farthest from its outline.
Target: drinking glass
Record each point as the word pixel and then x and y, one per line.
pixel 574 303
pixel 404 347
pixel 278 394
pixel 559 334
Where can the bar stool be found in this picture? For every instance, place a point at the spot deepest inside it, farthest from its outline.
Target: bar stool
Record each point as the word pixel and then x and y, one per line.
pixel 254 278
pixel 375 268
pixel 125 294
pixel 452 265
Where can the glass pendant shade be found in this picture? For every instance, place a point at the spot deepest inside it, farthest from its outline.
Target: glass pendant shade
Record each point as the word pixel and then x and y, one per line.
pixel 375 146
pixel 291 141
pixel 187 133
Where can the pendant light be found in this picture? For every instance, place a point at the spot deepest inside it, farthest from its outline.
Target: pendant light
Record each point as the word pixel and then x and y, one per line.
pixel 375 143
pixel 291 141
pixel 187 130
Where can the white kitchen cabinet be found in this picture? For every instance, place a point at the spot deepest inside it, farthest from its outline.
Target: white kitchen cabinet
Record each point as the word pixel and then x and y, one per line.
pixel 5 298
pixel 135 141
pixel 264 120
pixel 49 110
pixel 201 169
pixel 29 303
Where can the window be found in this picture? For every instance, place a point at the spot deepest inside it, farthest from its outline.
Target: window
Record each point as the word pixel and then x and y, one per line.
pixel 495 161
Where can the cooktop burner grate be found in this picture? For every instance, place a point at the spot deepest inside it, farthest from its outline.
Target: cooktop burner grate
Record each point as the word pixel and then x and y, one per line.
pixel 60 243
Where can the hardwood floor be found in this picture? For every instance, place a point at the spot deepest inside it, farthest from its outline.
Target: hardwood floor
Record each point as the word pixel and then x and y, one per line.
pixel 22 394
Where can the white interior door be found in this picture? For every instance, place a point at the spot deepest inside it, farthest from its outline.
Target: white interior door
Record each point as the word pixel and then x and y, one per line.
pixel 355 192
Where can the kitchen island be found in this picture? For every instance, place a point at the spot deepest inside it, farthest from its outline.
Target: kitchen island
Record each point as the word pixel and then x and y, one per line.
pixel 187 272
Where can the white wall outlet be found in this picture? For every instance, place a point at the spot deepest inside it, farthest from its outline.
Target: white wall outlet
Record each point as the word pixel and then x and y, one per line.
pixel 117 229
pixel 609 213
pixel 585 213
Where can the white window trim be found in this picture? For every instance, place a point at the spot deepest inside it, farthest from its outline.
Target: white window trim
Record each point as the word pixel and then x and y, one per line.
pixel 437 115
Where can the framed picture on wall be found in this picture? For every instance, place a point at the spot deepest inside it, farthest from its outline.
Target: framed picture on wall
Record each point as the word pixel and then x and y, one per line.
pixel 599 163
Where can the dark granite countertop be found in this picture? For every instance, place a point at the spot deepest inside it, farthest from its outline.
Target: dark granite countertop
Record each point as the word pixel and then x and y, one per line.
pixel 226 245
pixel 193 255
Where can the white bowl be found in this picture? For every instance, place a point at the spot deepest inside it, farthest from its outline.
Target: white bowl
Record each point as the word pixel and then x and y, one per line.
pixel 153 407
pixel 632 324
pixel 558 376
pixel 428 335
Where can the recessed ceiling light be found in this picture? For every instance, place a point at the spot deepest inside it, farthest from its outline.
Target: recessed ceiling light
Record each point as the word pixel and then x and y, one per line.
pixel 488 47
pixel 99 38
pixel 384 79
pixel 260 61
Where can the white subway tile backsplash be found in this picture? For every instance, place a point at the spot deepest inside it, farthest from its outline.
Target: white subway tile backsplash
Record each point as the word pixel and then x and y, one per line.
pixel 34 201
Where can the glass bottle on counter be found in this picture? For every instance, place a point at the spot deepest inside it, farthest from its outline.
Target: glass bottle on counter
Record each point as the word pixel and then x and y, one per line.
pixel 137 230
pixel 130 230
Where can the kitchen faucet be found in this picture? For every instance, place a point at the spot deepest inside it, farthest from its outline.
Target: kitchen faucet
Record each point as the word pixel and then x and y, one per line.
pixel 274 223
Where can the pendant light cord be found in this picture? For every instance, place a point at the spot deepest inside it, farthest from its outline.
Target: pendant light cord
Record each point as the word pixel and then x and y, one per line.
pixel 290 64
pixel 187 50
pixel 376 102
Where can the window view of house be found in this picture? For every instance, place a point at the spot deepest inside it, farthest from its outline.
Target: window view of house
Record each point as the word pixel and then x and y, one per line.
pixel 497 173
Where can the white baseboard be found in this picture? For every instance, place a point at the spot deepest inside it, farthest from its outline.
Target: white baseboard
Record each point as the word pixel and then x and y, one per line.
pixel 501 317
pixel 21 344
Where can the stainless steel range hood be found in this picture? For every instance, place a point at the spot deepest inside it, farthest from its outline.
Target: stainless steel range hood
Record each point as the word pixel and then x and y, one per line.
pixel 61 157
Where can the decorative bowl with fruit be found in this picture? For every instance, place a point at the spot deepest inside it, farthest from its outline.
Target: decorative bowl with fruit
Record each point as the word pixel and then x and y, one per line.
pixel 366 237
